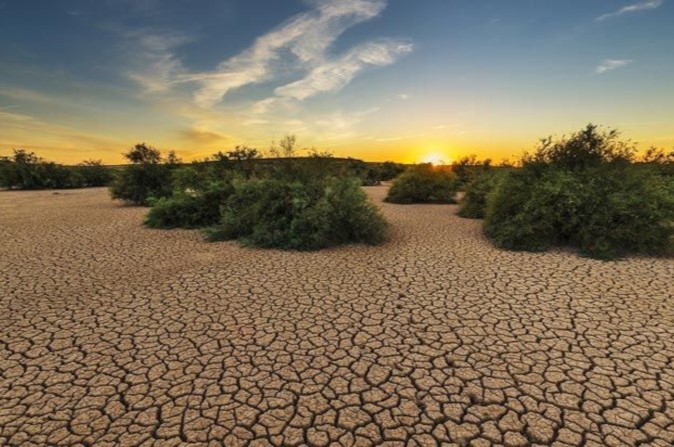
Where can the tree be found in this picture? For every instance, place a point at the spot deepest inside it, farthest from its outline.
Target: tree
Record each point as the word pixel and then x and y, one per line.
pixel 243 153
pixel 145 179
pixel 143 154
pixel 173 159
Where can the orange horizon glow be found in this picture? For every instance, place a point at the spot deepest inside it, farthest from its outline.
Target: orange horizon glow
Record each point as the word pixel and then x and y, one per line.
pixel 114 155
pixel 433 149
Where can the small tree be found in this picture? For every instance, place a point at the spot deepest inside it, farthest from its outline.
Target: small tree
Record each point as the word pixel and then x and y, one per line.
pixel 173 159
pixel 142 154
pixel 144 179
pixel 590 147
pixel 468 168
pixel 242 158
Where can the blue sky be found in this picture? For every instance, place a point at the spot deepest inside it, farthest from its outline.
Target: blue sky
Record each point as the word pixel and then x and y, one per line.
pixel 375 79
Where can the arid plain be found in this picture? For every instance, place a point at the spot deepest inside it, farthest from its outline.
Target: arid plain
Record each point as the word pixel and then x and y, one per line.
pixel 113 334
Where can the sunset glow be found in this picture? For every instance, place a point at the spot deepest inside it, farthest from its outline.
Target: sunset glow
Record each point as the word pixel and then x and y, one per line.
pixel 373 79
pixel 436 159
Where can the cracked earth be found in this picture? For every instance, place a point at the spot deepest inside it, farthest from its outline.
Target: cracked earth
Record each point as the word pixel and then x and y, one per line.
pixel 112 334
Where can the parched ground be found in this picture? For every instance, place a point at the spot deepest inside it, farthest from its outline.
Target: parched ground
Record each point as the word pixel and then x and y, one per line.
pixel 114 334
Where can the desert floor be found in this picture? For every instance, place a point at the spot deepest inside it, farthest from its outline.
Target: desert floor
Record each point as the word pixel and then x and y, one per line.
pixel 114 334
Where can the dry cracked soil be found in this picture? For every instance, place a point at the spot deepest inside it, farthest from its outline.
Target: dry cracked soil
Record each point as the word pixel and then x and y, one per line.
pixel 112 334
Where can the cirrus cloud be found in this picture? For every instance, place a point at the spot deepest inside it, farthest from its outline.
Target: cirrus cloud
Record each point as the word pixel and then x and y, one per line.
pixel 611 64
pixel 333 75
pixel 301 44
pixel 635 7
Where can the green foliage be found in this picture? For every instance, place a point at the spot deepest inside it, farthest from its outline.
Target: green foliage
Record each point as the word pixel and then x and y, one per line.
pixel 190 210
pixel 583 192
pixel 627 211
pixel 26 170
pixel 590 147
pixel 138 184
pixel 389 170
pixel 145 178
pixel 468 168
pixel 424 184
pixel 527 211
pixel 372 174
pixel 241 160
pixel 93 173
pixel 278 213
pixel 474 201
pixel 142 154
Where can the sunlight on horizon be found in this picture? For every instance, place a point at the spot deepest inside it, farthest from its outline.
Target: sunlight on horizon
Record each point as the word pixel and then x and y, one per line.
pixel 436 159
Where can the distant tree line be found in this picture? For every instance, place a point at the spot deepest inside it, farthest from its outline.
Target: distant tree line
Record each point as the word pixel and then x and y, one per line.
pixel 26 170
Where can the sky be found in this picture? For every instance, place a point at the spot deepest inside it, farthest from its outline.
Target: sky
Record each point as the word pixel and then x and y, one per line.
pixel 402 80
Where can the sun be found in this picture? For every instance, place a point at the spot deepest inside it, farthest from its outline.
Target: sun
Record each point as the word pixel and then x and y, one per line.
pixel 435 159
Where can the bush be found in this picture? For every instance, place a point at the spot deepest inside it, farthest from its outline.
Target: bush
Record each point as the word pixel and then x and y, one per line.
pixel 280 213
pixel 185 210
pixel 474 201
pixel 389 170
pixel 468 168
pixel 372 174
pixel 424 184
pixel 26 170
pixel 627 211
pixel 583 192
pixel 144 179
pixel 138 184
pixel 527 211
pixel 93 173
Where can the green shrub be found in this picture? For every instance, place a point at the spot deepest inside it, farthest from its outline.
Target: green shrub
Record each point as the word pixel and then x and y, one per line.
pixel 625 211
pixel 527 211
pixel 138 184
pixel 372 174
pixel 424 184
pixel 474 201
pixel 26 170
pixel 468 168
pixel 93 173
pixel 145 179
pixel 389 170
pixel 278 213
pixel 190 210
pixel 584 192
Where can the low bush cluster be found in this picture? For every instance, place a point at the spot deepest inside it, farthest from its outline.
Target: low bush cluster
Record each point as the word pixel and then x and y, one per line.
pixel 190 209
pixel 289 203
pixel 424 184
pixel 373 174
pixel 280 213
pixel 26 170
pixel 476 191
pixel 584 191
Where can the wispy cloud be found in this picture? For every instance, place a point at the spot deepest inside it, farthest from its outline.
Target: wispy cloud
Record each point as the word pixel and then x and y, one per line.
pixel 333 75
pixel 156 54
pixel 301 44
pixel 611 64
pixel 635 7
